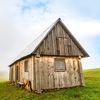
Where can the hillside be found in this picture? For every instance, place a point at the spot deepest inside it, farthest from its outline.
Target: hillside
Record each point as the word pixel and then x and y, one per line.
pixel 90 92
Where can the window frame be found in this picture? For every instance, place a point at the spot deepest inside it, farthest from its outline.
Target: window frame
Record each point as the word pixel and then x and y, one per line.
pixel 26 66
pixel 59 70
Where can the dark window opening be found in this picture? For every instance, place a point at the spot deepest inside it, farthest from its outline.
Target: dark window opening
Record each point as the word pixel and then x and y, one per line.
pixel 26 65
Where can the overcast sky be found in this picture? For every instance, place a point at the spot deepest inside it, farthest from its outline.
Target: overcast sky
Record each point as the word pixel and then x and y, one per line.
pixel 21 21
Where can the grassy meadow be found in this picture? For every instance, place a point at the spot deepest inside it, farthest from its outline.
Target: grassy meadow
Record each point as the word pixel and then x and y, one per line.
pixel 90 92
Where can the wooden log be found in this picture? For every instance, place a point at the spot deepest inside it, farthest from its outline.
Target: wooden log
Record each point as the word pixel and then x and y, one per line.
pixel 27 84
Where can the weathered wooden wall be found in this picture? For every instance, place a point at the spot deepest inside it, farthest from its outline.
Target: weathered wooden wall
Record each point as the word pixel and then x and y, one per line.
pixel 46 78
pixel 58 42
pixel 21 72
pixel 42 75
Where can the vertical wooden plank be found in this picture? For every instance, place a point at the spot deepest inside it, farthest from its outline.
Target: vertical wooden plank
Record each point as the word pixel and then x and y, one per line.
pixel 55 78
pixel 48 44
pixel 72 74
pixel 60 80
pixel 41 71
pixel 44 47
pixel 65 74
pixel 69 46
pixel 52 36
pixel 45 72
pixel 81 72
pixel 76 50
pixel 55 40
pixel 12 73
pixel 47 68
pixel 65 43
pixel 58 30
pixel 32 77
pixel 62 42
pixel 53 84
pixel 38 78
pixel 51 71
pixel 58 41
pixel 68 76
pixel 38 53
pixel 63 80
pixel 75 74
pixel 78 74
pixel 35 72
pixel 21 72
pixel 9 73
pixel 41 48
pixel 49 65
pixel 73 48
pixel 72 51
pixel 18 71
pixel 15 73
pixel 66 46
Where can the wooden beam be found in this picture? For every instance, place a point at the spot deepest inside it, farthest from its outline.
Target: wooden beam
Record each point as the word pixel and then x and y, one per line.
pixel 81 72
pixel 38 77
pixel 32 73
pixel 62 37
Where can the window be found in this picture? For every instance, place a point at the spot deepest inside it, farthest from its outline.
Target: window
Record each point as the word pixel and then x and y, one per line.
pixel 60 64
pixel 26 65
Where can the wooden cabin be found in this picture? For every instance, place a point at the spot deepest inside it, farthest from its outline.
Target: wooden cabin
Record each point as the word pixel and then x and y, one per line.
pixel 53 60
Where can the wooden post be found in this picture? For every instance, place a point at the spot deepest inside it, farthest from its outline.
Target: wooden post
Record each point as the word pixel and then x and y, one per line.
pixel 81 72
pixel 9 74
pixel 15 73
pixel 38 78
pixel 18 71
pixel 32 72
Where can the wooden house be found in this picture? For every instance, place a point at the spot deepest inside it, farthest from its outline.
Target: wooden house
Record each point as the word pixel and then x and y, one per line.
pixel 53 60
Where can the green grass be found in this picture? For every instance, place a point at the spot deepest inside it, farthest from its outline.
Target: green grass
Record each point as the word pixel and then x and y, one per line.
pixel 92 81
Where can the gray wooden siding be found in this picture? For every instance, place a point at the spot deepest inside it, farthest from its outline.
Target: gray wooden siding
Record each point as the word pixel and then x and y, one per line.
pixel 42 75
pixel 47 78
pixel 58 42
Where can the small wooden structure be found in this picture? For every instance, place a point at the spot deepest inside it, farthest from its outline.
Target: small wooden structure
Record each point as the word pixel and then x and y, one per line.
pixel 51 61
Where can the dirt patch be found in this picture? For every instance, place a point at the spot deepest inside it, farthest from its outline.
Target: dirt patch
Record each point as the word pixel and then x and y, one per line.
pixel 77 95
pixel 96 92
